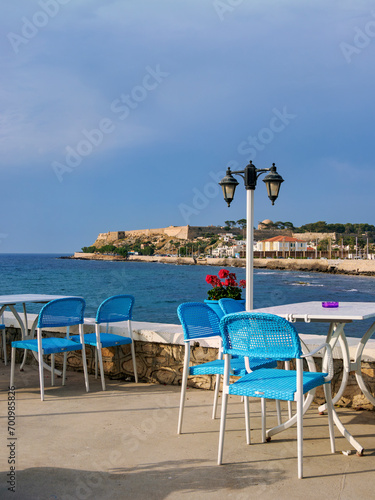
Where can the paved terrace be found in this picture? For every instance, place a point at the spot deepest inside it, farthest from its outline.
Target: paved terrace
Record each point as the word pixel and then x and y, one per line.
pixel 122 444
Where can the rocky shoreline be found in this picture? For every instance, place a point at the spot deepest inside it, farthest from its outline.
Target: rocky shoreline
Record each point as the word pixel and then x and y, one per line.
pixel 333 266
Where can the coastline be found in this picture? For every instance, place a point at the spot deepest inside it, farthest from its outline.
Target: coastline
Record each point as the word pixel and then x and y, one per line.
pixel 333 266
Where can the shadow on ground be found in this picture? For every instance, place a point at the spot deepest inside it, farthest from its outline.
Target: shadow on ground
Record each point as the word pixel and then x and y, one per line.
pixel 156 481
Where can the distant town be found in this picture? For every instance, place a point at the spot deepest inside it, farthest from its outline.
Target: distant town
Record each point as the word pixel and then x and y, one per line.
pixel 271 240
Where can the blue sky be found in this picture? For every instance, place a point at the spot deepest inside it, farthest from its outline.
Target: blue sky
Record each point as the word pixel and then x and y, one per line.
pixel 119 115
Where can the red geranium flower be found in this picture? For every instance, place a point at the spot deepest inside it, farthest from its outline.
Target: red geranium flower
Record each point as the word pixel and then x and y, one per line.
pixel 222 289
pixel 223 273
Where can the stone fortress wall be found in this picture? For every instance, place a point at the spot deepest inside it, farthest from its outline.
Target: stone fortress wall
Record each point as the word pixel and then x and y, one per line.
pixel 192 232
pixel 179 232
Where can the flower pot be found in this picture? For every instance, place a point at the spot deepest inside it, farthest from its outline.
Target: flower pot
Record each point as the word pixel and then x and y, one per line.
pixel 214 304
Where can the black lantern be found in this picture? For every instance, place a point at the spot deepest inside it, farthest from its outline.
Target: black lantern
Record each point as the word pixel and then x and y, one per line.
pixel 250 176
pixel 228 184
pixel 273 182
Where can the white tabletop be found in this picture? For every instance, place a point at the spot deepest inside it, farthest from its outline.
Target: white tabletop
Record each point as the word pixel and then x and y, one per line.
pixel 28 298
pixel 314 311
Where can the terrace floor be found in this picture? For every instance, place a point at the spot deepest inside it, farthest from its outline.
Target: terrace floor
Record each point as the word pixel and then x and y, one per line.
pixel 122 444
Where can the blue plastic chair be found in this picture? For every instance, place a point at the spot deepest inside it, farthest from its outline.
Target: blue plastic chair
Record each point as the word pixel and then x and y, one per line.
pixel 64 312
pixel 199 321
pixel 112 310
pixel 229 306
pixel 252 334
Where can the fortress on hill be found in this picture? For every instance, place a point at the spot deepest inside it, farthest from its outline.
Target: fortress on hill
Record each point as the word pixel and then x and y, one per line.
pixel 193 232
pixel 179 232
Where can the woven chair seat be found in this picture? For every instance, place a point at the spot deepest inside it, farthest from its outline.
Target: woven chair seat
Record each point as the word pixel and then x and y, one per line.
pixel 106 339
pixel 275 384
pixel 238 368
pixel 49 345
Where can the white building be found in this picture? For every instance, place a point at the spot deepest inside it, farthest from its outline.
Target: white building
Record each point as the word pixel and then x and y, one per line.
pixel 282 244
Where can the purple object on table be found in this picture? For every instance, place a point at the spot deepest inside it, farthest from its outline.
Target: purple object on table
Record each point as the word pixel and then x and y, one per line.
pixel 330 304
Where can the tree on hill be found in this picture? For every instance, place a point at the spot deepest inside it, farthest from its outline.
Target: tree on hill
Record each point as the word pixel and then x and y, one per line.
pixel 229 224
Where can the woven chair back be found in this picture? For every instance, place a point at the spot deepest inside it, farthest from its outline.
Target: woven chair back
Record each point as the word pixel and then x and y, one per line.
pixel 198 320
pixel 229 306
pixel 259 335
pixel 62 312
pixel 116 308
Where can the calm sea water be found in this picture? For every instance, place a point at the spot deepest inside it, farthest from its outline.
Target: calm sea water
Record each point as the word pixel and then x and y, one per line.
pixel 160 288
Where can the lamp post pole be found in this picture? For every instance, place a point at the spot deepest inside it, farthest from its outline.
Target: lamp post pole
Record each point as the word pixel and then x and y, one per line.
pixel 250 175
pixel 249 249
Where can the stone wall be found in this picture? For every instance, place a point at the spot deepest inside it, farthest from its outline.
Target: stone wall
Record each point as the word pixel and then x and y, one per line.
pixel 179 232
pixel 315 236
pixel 162 363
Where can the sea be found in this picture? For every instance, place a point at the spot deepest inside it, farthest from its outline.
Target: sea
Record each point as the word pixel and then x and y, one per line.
pixel 159 288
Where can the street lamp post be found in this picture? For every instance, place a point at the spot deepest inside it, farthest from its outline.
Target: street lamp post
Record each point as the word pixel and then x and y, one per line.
pixel 250 175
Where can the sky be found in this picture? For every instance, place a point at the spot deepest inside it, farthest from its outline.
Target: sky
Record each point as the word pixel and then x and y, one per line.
pixel 121 115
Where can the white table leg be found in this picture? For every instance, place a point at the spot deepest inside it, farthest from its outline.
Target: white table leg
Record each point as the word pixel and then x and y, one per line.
pixel 356 366
pixel 347 434
pixel 336 333
pixel 23 332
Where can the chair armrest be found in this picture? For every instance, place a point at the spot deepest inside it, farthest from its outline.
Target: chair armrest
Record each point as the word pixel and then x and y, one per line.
pixel 329 355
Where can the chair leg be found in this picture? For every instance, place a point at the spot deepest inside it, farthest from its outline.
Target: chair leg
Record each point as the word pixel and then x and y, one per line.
pixel 12 366
pixel 287 367
pixel 100 357
pixel 23 360
pixel 224 404
pixel 264 423
pixel 290 410
pixel 247 420
pixel 41 374
pixel 84 363
pixel 328 395
pixel 216 395
pixel 52 369
pixel 4 348
pixel 96 363
pixel 278 411
pixel 183 387
pixel 64 368
pixel 134 362
pixel 299 398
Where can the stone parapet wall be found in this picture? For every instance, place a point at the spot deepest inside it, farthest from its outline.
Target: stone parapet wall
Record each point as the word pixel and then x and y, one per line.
pixel 160 352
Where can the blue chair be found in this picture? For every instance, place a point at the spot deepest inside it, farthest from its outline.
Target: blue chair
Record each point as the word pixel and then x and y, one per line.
pixel 64 312
pixel 229 306
pixel 199 321
pixel 254 334
pixel 112 310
